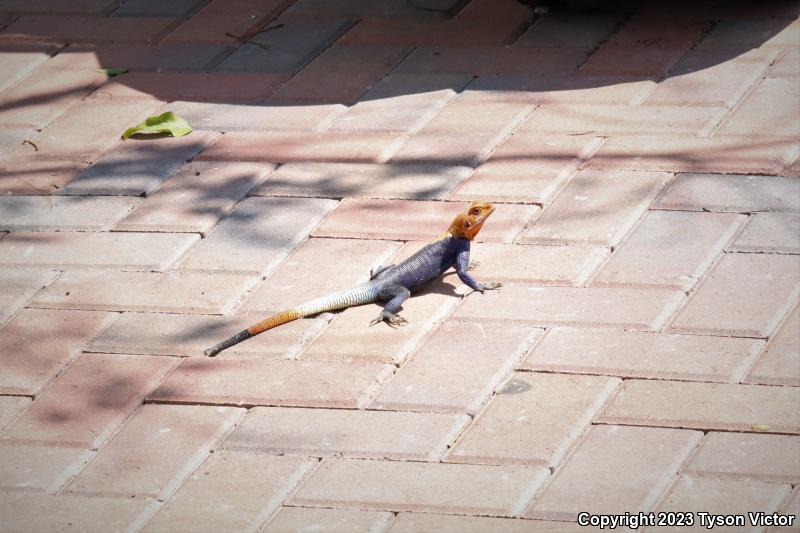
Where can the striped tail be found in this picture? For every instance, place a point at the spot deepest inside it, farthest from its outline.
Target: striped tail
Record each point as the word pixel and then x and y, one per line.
pixel 361 294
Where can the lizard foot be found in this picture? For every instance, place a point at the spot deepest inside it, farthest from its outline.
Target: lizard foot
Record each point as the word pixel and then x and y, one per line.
pixel 390 318
pixel 492 285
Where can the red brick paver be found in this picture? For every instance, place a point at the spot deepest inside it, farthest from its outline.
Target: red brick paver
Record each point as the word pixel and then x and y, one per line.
pixel 641 355
pixel 345 433
pixel 615 469
pixel 431 487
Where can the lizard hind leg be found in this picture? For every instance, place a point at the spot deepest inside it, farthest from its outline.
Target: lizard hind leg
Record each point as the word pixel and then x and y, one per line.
pixel 394 296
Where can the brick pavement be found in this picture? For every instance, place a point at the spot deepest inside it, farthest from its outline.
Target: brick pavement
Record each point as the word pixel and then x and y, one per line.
pixel 643 354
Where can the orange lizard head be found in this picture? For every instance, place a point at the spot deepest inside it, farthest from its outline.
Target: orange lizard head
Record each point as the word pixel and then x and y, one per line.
pixel 467 225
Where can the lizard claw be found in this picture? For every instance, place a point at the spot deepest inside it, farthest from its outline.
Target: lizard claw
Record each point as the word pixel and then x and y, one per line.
pixel 492 285
pixel 390 318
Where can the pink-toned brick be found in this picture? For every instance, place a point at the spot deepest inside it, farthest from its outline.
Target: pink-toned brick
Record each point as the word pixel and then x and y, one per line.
pixel 572 89
pixel 220 17
pixel 78 28
pixel 514 263
pixel 517 172
pixel 90 400
pixel 441 523
pixel 401 103
pixel 39 98
pixel 156 450
pixel 137 8
pixel 720 497
pixel 398 32
pixel 609 119
pixel 87 129
pixel 194 199
pixel 712 79
pixel 615 469
pixel 659 43
pixel 346 433
pixel 258 235
pixel 770 233
pixel 195 86
pixel 135 167
pixel 340 75
pixel 291 41
pixel 264 382
pixel 565 405
pixel 173 292
pixel 636 309
pixel 705 406
pixel 491 60
pixel 457 367
pixel 561 29
pixel 686 153
pixel 596 207
pixel 10 139
pixel 744 295
pixel 751 28
pixel 438 148
pixel 30 175
pixel 247 487
pixel 20 285
pixel 779 364
pixel 759 115
pixel 539 265
pixel 768 458
pixel 140 56
pixel 364 180
pixel 25 511
pixel 10 409
pixel 466 131
pixel 645 355
pixel 190 335
pixel 19 61
pixel 39 468
pixel 424 487
pixel 736 193
pixel 283 147
pixel 294 519
pixel 341 263
pixel 669 249
pixel 368 8
pixel 791 506
pixel 787 65
pixel 469 112
pixel 268 117
pixel 381 342
pixel 30 359
pixel 58 213
pixel 130 251
pixel 406 220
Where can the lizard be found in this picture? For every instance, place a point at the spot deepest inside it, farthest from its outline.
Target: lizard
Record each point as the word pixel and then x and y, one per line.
pixel 393 284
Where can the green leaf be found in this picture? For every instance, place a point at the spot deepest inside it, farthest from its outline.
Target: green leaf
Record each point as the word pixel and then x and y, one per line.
pixel 167 122
pixel 111 72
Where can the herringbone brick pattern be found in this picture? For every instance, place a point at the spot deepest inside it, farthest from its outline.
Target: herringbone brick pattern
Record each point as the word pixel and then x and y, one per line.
pixel 642 355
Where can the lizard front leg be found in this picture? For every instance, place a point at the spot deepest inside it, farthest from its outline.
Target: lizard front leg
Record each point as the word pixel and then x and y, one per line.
pixel 463 265
pixel 394 296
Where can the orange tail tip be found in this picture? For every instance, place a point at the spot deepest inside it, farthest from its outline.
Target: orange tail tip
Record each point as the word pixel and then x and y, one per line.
pixel 255 329
pixel 273 321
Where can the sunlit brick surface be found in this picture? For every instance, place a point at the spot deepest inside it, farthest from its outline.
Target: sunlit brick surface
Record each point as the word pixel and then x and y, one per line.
pixel 641 355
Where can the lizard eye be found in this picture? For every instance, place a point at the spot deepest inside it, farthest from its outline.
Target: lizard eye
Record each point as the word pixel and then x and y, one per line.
pixel 467 224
